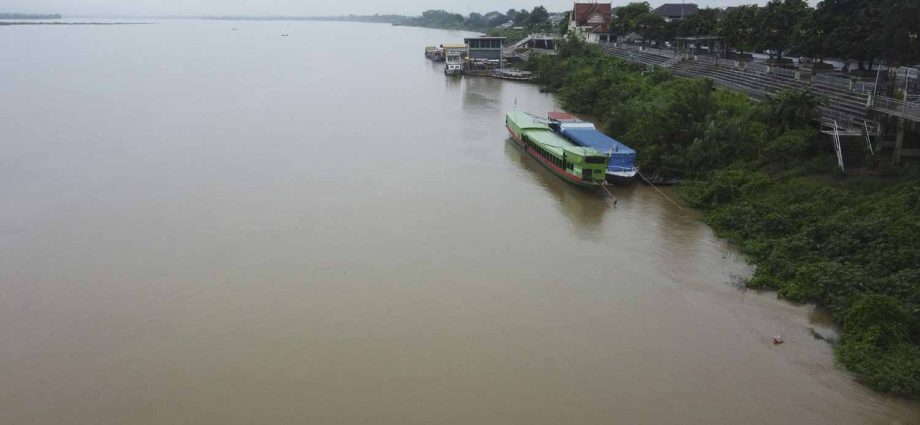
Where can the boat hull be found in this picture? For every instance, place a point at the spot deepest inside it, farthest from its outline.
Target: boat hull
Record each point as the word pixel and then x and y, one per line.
pixel 571 178
pixel 622 178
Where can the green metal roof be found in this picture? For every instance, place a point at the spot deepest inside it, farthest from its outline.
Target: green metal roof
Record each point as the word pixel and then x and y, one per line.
pixel 541 133
pixel 526 121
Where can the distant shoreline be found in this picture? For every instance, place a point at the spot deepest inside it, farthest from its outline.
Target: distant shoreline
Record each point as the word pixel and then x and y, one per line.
pixel 74 23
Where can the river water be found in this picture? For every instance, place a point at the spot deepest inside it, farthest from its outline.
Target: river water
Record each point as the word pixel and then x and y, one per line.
pixel 207 226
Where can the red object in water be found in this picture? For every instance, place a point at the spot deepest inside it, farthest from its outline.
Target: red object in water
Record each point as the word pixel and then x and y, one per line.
pixel 777 340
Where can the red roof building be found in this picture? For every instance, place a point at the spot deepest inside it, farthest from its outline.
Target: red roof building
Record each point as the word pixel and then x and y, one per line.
pixel 591 19
pixel 598 16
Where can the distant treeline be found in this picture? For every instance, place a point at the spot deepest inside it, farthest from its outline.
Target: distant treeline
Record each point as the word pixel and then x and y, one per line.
pixel 537 19
pixel 28 16
pixel 383 19
pixel 513 24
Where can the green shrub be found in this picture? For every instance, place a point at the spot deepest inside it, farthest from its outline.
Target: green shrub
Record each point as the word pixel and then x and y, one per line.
pixel 851 245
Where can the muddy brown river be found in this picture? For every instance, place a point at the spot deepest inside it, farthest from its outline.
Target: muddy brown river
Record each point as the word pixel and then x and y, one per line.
pixel 207 226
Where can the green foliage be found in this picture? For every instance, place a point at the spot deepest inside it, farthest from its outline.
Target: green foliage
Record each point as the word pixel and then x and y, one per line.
pixel 868 29
pixel 877 344
pixel 897 39
pixel 654 28
pixel 628 17
pixel 739 28
pixel 681 126
pixel 475 20
pixel 864 30
pixel 789 146
pixel 703 22
pixel 539 18
pixel 28 16
pixel 778 20
pixel 807 37
pixel 792 109
pixel 511 35
pixel 564 23
pixel 850 249
pixel 535 20
pixel 894 370
pixel 437 19
pixel 849 245
pixel 495 19
pixel 522 18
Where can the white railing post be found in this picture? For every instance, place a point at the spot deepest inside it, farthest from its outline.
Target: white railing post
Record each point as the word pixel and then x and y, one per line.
pixel 837 147
pixel 868 141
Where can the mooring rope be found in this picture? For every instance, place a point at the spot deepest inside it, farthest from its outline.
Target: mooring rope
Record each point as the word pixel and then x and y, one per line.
pixel 659 190
pixel 615 200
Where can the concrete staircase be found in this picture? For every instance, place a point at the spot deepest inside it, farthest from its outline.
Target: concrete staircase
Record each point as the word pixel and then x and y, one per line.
pixel 848 107
pixel 755 84
pixel 637 56
pixel 844 108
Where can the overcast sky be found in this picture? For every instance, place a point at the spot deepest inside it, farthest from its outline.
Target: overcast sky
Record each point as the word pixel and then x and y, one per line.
pixel 293 7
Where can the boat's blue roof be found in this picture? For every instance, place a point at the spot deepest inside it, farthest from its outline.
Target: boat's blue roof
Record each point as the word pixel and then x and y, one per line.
pixel 595 139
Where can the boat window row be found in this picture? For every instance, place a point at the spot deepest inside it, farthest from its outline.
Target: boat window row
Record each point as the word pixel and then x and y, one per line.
pixel 561 163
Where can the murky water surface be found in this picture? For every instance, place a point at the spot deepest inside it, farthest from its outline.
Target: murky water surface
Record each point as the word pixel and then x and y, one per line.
pixel 207 226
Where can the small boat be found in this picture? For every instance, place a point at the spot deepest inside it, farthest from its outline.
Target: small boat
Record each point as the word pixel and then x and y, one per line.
pixel 429 50
pixel 284 35
pixel 453 63
pixel 621 169
pixel 513 74
pixel 579 165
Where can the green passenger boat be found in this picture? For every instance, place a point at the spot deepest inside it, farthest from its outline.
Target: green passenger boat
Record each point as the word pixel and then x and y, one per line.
pixel 576 164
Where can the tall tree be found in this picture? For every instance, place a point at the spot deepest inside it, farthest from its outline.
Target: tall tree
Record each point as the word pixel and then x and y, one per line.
pixel 898 40
pixel 848 25
pixel 703 23
pixel 522 18
pixel 564 22
pixel 808 37
pixel 475 20
pixel 737 28
pixel 654 28
pixel 777 22
pixel 539 18
pixel 497 19
pixel 628 17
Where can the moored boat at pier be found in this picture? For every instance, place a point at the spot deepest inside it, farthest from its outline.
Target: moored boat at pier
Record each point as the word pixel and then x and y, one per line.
pixel 582 166
pixel 621 168
pixel 434 53
pixel 453 64
pixel 513 74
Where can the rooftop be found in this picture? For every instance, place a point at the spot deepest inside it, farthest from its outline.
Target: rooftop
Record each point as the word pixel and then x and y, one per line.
pixel 676 10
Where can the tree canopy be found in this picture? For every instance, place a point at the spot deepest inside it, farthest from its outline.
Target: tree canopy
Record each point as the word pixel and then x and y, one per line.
pixel 867 31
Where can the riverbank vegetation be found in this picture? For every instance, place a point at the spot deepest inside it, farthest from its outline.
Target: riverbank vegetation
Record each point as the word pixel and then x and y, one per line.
pixel 766 182
pixel 513 24
pixel 29 16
